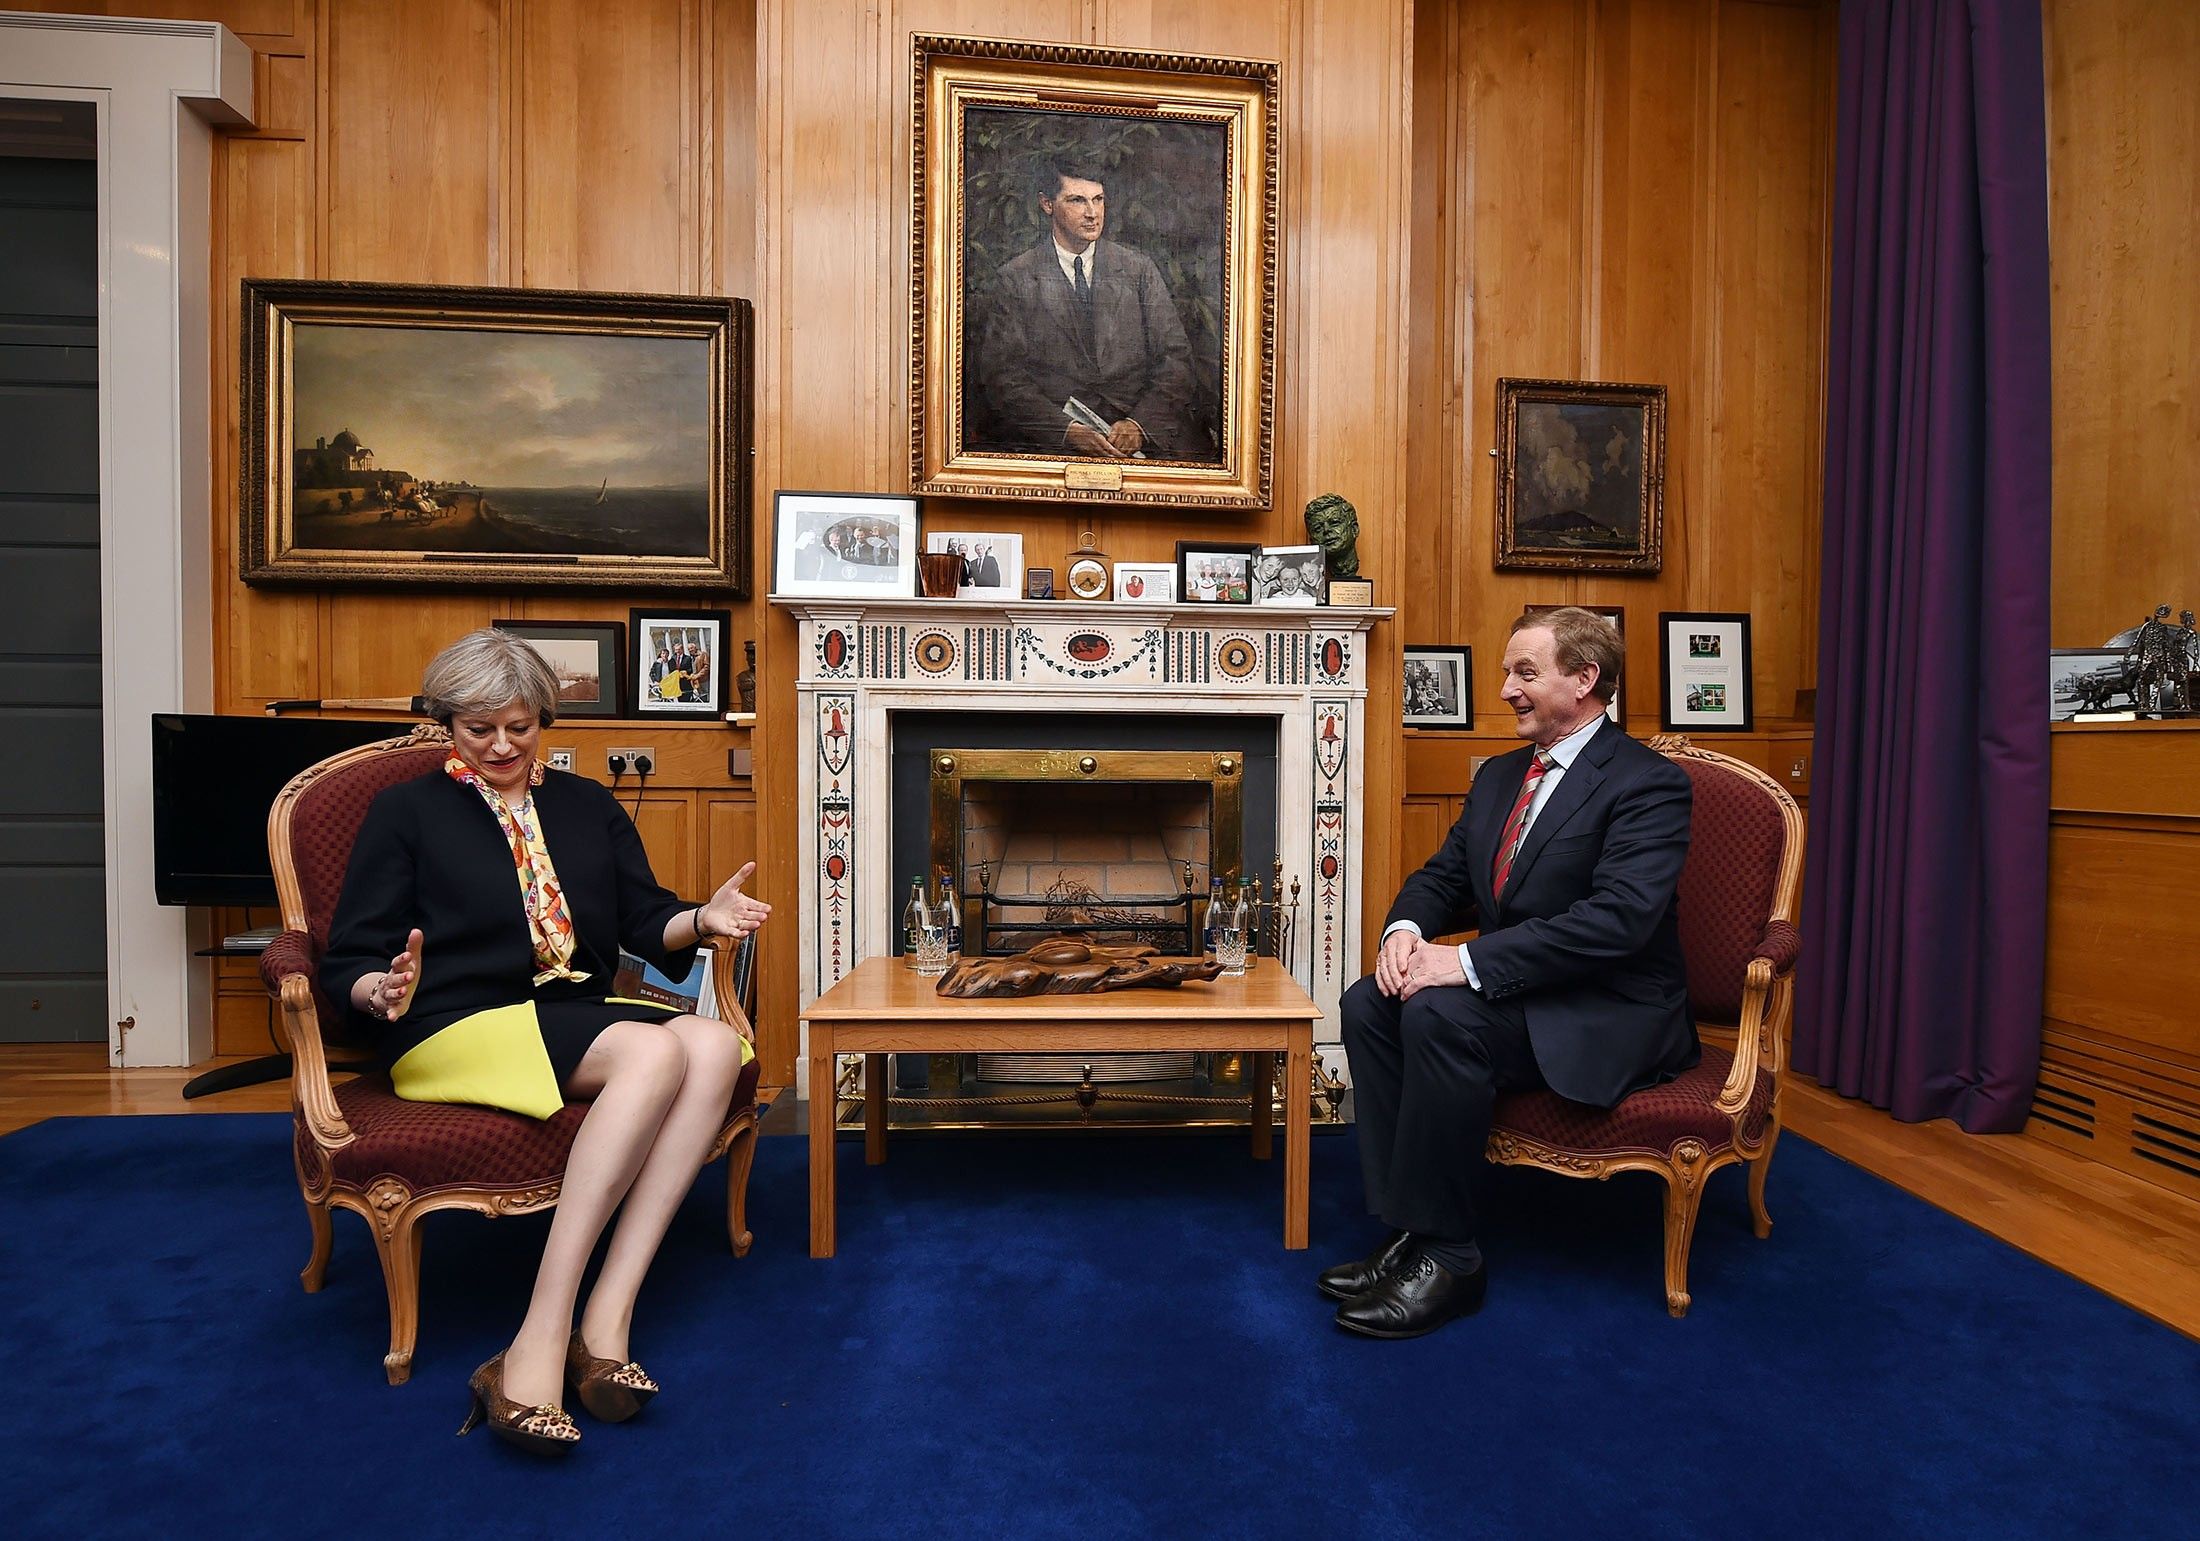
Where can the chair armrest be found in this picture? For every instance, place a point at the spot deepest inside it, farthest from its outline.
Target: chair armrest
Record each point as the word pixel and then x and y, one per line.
pixel 1781 945
pixel 290 953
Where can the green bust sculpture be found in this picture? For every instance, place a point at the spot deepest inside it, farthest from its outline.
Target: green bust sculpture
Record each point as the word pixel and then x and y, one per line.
pixel 1334 525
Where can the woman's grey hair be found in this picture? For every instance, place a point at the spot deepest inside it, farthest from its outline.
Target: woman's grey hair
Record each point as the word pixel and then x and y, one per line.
pixel 486 671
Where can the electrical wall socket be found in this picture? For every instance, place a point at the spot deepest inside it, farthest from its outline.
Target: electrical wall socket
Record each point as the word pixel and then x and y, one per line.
pixel 633 762
pixel 561 759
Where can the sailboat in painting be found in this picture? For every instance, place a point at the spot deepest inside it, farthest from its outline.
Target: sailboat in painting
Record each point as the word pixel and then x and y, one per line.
pixel 601 491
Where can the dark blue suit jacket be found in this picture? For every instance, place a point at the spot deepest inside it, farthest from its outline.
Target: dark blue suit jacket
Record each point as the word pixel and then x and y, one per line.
pixel 1584 939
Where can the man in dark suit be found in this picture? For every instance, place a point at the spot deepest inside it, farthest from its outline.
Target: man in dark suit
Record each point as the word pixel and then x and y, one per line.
pixel 1079 317
pixel 1566 858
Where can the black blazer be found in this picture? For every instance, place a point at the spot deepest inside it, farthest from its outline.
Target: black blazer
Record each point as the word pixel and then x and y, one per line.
pixel 430 854
pixel 1585 938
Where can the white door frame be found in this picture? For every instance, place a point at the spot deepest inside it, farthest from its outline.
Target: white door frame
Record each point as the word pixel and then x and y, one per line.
pixel 158 87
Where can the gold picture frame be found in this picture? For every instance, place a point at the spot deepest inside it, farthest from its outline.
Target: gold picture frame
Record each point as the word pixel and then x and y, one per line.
pixel 1580 477
pixel 522 438
pixel 1161 169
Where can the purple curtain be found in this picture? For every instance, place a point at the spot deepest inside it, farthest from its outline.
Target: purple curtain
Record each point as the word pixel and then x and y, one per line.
pixel 1925 891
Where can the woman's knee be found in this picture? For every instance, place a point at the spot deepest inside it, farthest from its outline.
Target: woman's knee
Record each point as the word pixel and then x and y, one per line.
pixel 650 1054
pixel 713 1048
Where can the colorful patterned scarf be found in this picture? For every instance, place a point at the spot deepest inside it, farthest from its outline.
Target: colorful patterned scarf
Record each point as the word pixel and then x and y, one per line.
pixel 548 923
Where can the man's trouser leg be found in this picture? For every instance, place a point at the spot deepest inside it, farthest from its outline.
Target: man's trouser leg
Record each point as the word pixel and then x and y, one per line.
pixel 1425 1075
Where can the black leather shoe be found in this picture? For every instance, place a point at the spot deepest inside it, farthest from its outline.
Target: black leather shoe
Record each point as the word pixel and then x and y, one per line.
pixel 1357 1278
pixel 1418 1299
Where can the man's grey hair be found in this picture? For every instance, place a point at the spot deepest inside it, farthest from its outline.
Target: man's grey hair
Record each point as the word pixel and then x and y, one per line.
pixel 1582 637
pixel 486 671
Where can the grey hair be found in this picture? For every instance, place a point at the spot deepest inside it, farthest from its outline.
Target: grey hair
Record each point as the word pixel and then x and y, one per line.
pixel 486 671
pixel 1582 637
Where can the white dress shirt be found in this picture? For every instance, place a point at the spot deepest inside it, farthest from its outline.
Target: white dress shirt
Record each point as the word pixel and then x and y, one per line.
pixel 1563 755
pixel 1068 260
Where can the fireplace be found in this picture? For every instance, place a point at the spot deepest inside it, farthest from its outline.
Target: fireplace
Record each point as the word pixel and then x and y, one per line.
pixel 888 686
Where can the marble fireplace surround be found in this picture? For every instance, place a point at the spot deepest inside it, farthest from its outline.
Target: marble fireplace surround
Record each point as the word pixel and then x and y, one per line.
pixel 860 661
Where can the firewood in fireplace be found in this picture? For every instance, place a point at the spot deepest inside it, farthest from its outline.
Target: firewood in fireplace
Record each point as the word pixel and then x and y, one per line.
pixel 1068 965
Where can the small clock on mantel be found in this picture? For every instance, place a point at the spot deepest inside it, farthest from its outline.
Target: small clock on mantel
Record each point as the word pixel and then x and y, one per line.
pixel 1089 570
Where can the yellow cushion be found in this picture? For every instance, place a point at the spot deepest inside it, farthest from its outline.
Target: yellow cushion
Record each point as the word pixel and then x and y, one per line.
pixel 493 1058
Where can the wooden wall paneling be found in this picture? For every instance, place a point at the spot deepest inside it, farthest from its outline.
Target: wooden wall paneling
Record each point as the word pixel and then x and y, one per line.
pixel 729 839
pixel 606 126
pixel 2123 220
pixel 667 823
pixel 2119 961
pixel 1773 207
pixel 412 114
pixel 1437 462
pixel 251 20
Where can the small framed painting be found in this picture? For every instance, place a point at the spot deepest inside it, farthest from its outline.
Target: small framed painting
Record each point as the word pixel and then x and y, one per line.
pixel 588 657
pixel 679 662
pixel 844 545
pixel 1210 572
pixel 2089 679
pixel 991 562
pixel 1617 615
pixel 1288 575
pixel 1151 583
pixel 1439 687
pixel 1703 671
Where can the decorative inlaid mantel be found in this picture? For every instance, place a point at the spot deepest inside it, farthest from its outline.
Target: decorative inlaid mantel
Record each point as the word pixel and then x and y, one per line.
pixel 861 661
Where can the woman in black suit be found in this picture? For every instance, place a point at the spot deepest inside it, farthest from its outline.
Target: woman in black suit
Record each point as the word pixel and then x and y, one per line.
pixel 527 882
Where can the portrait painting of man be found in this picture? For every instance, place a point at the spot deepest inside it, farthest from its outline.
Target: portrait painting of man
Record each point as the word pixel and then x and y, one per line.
pixel 1094 276
pixel 1093 302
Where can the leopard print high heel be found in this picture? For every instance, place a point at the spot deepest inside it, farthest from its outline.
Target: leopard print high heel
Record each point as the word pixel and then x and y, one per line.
pixel 609 1389
pixel 544 1430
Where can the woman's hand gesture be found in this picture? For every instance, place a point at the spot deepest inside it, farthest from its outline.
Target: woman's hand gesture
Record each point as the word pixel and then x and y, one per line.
pixel 391 995
pixel 731 912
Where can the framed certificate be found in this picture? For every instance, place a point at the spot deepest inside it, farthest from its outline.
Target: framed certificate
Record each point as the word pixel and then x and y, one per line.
pixel 1703 671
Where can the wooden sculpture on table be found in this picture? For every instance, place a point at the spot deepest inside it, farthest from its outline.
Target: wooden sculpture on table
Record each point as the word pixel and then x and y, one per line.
pixel 1064 965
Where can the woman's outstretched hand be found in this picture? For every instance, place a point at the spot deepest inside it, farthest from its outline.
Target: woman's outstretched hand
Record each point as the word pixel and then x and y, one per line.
pixel 389 996
pixel 731 912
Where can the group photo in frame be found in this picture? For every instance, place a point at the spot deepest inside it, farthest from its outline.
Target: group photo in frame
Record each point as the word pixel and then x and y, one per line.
pixel 843 545
pixel 1439 687
pixel 405 434
pixel 992 561
pixel 588 657
pixel 1288 576
pixel 1092 267
pixel 1703 671
pixel 1580 477
pixel 1215 572
pixel 1617 615
pixel 680 667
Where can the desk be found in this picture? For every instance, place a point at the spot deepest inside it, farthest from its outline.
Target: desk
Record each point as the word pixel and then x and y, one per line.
pixel 884 1008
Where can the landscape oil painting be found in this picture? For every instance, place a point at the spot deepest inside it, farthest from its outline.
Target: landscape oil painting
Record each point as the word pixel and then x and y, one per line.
pixel 510 436
pixel 1580 476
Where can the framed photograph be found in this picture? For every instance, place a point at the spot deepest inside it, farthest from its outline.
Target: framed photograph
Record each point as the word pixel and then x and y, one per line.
pixel 2088 679
pixel 1151 583
pixel 1617 615
pixel 680 667
pixel 843 545
pixel 1580 477
pixel 589 658
pixel 1439 687
pixel 398 434
pixel 1039 583
pixel 1092 274
pixel 1288 576
pixel 1210 572
pixel 1703 671
pixel 992 563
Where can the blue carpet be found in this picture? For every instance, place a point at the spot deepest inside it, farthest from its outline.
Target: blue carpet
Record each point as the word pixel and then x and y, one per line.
pixel 1090 1337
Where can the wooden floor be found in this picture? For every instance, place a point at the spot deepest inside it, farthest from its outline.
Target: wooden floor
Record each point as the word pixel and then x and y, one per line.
pixel 2137 1242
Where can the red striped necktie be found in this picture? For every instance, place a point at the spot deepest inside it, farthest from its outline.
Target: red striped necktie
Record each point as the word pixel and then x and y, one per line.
pixel 1516 824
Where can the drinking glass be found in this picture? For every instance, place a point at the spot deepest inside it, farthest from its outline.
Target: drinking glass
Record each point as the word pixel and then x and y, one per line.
pixel 1233 929
pixel 933 920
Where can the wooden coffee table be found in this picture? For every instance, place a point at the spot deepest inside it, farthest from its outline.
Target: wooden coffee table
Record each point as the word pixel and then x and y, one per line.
pixel 884 1008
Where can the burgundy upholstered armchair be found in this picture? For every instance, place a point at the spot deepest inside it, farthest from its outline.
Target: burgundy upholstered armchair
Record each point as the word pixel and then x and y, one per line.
pixel 358 1146
pixel 1738 895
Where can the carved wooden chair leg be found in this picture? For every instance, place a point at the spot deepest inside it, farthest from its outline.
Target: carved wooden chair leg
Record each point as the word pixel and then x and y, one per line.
pixel 1761 1218
pixel 740 1155
pixel 397 1241
pixel 1683 1197
pixel 315 1273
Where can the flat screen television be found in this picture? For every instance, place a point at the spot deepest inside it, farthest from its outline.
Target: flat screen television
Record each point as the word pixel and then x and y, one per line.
pixel 214 778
